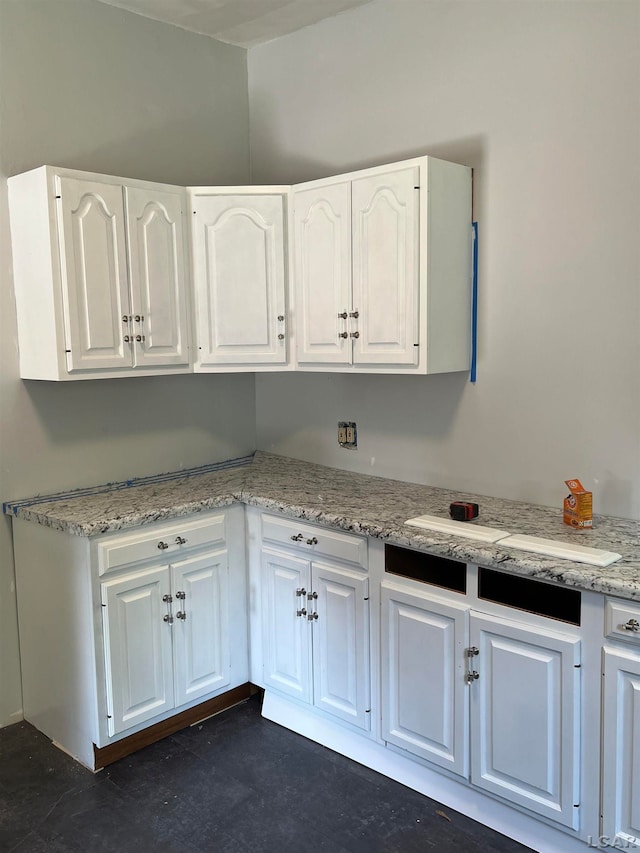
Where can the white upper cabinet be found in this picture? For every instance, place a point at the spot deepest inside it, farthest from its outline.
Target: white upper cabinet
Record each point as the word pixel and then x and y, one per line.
pixel 100 276
pixel 383 269
pixel 238 244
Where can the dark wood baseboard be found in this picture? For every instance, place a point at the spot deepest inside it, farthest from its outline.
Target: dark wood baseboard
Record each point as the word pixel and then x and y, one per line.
pixel 128 745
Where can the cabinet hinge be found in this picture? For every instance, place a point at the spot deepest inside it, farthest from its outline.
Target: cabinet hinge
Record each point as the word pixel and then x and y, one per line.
pixel 58 196
pixel 102 605
pixel 368 711
pixel 108 716
pixel 366 598
pixel 577 666
pixel 416 188
pixel 67 350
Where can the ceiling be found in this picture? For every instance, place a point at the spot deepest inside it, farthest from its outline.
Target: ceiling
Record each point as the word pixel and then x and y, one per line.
pixel 241 22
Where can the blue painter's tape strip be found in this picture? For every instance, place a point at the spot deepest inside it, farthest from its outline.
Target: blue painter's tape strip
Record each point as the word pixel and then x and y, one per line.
pixel 12 507
pixel 474 307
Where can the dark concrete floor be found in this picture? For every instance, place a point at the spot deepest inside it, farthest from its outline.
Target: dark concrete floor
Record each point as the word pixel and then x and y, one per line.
pixel 233 783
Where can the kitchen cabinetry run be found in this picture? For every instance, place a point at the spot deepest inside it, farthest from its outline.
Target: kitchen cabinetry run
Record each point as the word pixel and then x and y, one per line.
pixel 383 269
pixel 100 277
pixel 621 745
pixel 136 626
pixel 316 618
pixel 240 277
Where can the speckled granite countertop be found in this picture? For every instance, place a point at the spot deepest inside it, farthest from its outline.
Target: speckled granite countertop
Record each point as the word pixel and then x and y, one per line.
pixel 373 506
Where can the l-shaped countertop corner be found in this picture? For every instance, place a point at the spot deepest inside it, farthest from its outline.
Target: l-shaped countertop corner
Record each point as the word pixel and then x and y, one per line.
pixel 360 503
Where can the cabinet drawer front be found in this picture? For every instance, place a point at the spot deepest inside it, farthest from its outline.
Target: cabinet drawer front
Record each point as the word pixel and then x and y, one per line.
pixel 622 620
pixel 165 541
pixel 314 540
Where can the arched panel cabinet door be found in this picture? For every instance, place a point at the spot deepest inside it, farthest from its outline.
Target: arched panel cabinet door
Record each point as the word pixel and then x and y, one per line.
pixel 159 325
pixel 95 291
pixel 322 234
pixel 385 267
pixel 239 274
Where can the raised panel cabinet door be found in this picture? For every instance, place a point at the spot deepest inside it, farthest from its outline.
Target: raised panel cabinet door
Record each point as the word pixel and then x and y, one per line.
pixel 322 234
pixel 239 272
pixel 621 749
pixel 425 706
pixel 201 625
pixel 155 223
pixel 525 707
pixel 341 675
pixel 286 630
pixel 138 648
pixel 386 267
pixel 95 282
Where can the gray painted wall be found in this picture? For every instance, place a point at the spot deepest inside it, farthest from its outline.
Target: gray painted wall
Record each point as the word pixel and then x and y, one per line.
pixel 543 100
pixel 88 86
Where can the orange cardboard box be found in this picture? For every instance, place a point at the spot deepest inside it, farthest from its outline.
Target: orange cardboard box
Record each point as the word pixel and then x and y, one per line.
pixel 578 505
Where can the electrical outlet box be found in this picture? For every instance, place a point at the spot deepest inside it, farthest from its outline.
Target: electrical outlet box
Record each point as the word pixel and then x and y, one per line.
pixel 347 434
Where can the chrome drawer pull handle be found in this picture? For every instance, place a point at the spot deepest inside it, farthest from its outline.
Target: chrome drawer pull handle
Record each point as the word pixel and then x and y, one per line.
pixel 162 545
pixel 631 625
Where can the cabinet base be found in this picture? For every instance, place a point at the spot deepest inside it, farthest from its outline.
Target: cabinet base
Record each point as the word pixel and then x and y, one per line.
pixel 460 796
pixel 128 745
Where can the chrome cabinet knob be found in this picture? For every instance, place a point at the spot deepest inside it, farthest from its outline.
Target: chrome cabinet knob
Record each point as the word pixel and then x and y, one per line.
pixel 280 337
pixel 632 625
pixel 343 334
pixel 354 314
pixel 125 318
pixel 181 614
pixel 167 618
pixel 139 338
pixel 127 339
pixel 298 537
pixel 355 334
pixel 180 540
pixel 312 541
pixel 139 318
pixel 343 315
pixel 281 318
pixel 162 546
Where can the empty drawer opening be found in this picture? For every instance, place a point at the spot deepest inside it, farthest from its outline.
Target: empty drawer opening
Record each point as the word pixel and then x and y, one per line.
pixel 534 596
pixel 426 568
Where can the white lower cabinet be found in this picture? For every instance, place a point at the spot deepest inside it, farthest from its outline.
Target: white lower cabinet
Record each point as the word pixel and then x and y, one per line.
pixel 489 699
pixel 136 625
pixel 621 748
pixel 166 637
pixel 315 626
